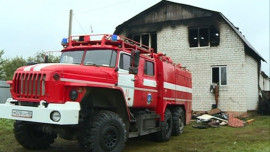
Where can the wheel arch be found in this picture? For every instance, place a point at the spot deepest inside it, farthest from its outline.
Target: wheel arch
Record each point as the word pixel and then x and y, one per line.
pixel 172 106
pixel 108 99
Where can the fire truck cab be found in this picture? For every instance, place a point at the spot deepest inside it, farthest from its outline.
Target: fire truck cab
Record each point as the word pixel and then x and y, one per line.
pixel 106 88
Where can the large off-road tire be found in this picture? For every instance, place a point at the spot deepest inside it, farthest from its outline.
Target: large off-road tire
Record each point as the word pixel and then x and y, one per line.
pixel 166 128
pixel 103 132
pixel 178 118
pixel 30 136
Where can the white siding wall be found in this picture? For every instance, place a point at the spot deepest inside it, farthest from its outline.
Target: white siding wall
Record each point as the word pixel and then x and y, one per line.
pixel 230 52
pixel 252 96
pixel 264 83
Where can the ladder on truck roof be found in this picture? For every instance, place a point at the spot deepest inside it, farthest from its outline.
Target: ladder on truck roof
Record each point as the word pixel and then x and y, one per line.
pixel 106 39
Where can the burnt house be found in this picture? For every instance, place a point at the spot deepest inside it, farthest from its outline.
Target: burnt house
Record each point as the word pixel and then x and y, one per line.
pixel 206 43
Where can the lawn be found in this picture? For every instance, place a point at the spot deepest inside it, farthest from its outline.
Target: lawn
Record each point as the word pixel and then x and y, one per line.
pixel 252 138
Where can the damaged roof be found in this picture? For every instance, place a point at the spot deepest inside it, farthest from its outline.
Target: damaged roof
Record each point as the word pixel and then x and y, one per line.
pixel 180 12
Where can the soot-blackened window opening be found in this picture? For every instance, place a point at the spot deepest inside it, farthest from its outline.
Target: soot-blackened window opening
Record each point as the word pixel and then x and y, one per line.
pixel 148 39
pixel 203 36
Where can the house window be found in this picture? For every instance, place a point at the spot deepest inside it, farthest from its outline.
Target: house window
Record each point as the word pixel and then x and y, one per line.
pixel 149 68
pixel 148 39
pixel 124 61
pixel 203 36
pixel 219 75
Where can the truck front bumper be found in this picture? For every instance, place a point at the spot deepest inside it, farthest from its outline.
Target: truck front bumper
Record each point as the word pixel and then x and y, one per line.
pixel 69 112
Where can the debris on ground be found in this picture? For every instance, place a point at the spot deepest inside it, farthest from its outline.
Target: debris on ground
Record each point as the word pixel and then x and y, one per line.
pixel 223 123
pixel 214 111
pixel 215 118
pixel 250 121
pixel 197 113
pixel 235 122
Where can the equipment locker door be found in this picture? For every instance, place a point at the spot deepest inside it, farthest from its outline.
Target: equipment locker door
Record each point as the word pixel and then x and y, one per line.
pixel 146 85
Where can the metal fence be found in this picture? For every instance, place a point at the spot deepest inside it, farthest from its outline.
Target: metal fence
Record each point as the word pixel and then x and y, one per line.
pixel 4 91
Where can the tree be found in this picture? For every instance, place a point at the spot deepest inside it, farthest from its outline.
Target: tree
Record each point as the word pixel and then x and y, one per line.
pixel 40 58
pixel 2 61
pixel 10 66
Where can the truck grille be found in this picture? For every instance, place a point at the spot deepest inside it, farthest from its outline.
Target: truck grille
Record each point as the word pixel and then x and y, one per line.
pixel 29 85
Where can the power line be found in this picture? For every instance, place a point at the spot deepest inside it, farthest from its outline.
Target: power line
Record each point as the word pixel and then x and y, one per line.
pixel 104 7
pixel 79 24
pixel 88 11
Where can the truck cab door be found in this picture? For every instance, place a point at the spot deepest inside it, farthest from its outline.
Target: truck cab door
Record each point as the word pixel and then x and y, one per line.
pixel 126 80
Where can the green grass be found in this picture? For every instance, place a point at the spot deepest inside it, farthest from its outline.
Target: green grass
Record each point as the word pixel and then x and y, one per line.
pixel 252 138
pixel 6 134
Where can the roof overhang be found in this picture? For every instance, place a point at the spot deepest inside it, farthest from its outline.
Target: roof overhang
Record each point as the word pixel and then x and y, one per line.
pixel 248 47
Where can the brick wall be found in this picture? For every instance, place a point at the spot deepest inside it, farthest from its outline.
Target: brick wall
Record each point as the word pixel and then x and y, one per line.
pixel 230 52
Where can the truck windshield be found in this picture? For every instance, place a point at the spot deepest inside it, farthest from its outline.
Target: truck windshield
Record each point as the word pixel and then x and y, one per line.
pixel 74 57
pixel 100 58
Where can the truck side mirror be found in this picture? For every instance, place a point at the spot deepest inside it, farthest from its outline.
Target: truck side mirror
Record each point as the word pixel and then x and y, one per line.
pixel 134 61
pixel 135 57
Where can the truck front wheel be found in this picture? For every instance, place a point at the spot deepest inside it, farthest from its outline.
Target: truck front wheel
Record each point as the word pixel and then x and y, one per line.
pixel 104 132
pixel 30 135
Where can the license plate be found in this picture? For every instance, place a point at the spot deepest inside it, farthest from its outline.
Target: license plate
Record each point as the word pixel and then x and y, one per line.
pixel 21 113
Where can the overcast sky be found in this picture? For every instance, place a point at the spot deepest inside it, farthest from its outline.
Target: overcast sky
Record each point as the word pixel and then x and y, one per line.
pixel 29 26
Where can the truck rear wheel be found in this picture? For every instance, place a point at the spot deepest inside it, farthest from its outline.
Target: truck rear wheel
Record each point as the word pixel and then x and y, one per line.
pixel 166 128
pixel 104 132
pixel 30 135
pixel 178 119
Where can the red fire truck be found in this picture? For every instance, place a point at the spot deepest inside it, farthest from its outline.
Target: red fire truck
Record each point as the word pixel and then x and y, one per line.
pixel 106 88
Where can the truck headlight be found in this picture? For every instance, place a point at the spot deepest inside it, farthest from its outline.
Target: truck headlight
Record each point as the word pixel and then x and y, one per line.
pixel 73 95
pixel 55 116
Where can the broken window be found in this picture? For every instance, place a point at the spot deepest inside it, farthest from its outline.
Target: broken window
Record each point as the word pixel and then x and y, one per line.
pixel 154 41
pixel 137 38
pixel 214 37
pixel 193 37
pixel 145 39
pixel 148 39
pixel 149 68
pixel 203 36
pixel 219 75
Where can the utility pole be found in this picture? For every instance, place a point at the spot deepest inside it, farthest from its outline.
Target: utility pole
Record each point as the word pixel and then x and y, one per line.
pixel 70 24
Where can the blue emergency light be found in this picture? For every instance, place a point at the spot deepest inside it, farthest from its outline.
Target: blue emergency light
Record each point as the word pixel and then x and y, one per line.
pixel 64 41
pixel 114 37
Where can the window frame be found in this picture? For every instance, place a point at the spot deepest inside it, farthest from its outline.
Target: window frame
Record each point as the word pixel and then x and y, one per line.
pixel 211 40
pixel 152 36
pixel 145 67
pixel 111 64
pixel 119 62
pixel 219 70
pixel 64 56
